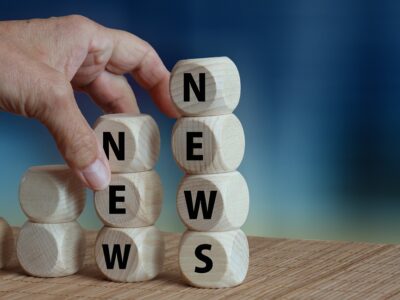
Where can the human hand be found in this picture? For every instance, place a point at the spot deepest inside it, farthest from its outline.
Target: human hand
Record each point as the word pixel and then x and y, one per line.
pixel 42 61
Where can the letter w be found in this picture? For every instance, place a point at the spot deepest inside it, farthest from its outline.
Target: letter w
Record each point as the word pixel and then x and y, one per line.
pixel 193 210
pixel 116 254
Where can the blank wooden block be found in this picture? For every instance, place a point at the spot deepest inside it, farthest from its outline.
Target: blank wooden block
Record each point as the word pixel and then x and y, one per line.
pixel 6 243
pixel 208 144
pixel 131 200
pixel 131 142
pixel 51 250
pixel 214 259
pixel 130 254
pixel 213 202
pixel 51 194
pixel 205 86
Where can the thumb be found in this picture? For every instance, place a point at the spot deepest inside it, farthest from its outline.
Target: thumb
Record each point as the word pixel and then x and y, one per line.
pixel 75 139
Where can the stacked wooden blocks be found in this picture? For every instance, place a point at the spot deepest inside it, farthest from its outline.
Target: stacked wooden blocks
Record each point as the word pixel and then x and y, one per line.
pixel 129 248
pixel 51 243
pixel 213 198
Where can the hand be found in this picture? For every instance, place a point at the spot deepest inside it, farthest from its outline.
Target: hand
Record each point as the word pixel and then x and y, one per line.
pixel 43 60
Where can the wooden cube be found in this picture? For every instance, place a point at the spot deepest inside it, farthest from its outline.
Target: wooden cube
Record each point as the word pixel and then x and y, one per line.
pixel 51 194
pixel 131 142
pixel 131 200
pixel 205 86
pixel 204 145
pixel 51 250
pixel 130 254
pixel 214 259
pixel 213 202
pixel 6 243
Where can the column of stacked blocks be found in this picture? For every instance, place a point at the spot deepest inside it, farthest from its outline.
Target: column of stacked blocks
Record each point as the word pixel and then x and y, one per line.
pixel 213 198
pixel 51 243
pixel 129 248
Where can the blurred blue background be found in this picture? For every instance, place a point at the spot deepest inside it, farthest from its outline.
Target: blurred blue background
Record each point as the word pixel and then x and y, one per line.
pixel 320 106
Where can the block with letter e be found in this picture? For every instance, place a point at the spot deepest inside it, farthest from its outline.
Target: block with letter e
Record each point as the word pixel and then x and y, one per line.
pixel 131 200
pixel 206 145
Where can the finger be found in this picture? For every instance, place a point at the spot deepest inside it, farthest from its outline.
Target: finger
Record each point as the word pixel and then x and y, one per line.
pixel 75 139
pixel 132 54
pixel 112 93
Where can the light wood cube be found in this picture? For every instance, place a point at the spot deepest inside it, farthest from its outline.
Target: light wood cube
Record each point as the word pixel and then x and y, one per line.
pixel 130 254
pixel 208 144
pixel 6 243
pixel 131 200
pixel 205 86
pixel 51 250
pixel 213 202
pixel 214 259
pixel 131 142
pixel 51 194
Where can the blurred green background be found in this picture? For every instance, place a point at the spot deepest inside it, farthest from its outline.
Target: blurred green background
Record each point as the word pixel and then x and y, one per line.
pixel 320 108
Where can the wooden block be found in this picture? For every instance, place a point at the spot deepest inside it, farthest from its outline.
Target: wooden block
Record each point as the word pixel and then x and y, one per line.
pixel 214 259
pixel 131 142
pixel 51 194
pixel 130 254
pixel 214 202
pixel 131 200
pixel 205 86
pixel 51 250
pixel 208 144
pixel 6 243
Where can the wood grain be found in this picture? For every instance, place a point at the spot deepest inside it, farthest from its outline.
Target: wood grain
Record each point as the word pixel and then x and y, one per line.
pixel 279 269
pixel 51 250
pixel 51 194
pixel 142 200
pixel 222 86
pixel 221 145
pixel 227 210
pixel 142 141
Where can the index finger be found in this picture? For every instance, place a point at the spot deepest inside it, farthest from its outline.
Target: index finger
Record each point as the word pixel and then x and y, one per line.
pixel 132 54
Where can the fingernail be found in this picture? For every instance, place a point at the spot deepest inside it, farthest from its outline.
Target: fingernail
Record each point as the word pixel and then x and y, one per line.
pixel 97 175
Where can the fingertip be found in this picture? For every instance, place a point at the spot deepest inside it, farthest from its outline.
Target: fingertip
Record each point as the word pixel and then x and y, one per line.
pixel 168 108
pixel 97 175
pixel 173 114
pixel 162 98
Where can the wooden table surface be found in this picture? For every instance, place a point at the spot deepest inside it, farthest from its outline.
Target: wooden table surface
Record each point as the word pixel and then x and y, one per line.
pixel 279 268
